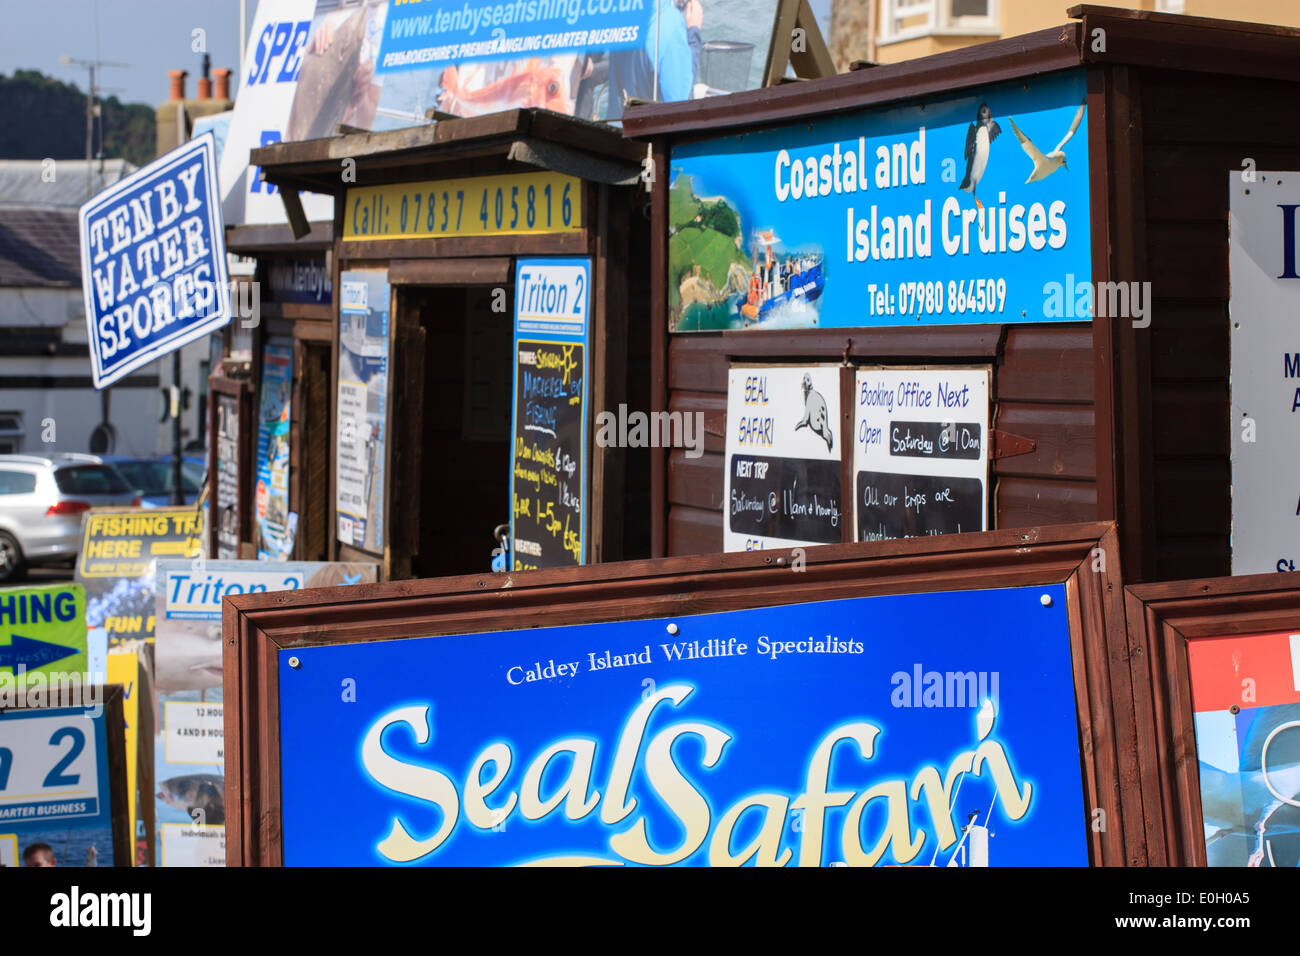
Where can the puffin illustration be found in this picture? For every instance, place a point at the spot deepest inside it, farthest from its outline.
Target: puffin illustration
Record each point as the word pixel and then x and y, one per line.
pixel 1044 166
pixel 982 132
pixel 815 415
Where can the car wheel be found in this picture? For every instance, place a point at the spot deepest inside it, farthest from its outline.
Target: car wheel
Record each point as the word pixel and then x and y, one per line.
pixel 12 565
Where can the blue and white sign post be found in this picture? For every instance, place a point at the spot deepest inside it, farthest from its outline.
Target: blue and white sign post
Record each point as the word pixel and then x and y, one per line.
pixel 153 261
pixel 548 448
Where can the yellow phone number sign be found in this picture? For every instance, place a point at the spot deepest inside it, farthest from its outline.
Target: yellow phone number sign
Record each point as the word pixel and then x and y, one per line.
pixel 514 205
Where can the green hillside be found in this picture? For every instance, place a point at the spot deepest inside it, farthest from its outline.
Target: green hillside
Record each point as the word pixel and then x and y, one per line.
pixel 43 117
pixel 702 233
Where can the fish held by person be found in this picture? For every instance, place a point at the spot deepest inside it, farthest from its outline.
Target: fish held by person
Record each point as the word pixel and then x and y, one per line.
pixel 530 85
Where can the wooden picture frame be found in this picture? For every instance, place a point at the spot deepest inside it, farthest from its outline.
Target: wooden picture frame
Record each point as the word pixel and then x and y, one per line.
pixel 112 697
pixel 1084 557
pixel 1163 619
pixel 241 394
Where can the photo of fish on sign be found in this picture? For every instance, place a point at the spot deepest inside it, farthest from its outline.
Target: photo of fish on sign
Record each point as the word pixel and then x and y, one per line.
pixel 561 55
pixel 189 749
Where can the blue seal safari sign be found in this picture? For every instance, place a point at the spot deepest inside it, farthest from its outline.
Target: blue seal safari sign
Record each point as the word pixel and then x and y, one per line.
pixel 153 261
pixel 920 729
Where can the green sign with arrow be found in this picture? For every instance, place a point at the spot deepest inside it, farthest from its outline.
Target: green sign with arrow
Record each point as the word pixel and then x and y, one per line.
pixel 42 636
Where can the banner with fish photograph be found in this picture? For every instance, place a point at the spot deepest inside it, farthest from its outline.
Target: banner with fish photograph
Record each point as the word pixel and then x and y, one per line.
pixel 189 749
pixel 311 67
pixel 959 208
pixel 1246 703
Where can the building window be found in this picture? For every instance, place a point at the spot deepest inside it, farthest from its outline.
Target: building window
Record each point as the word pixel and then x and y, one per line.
pixel 907 19
pixel 11 433
pixel 901 19
pixel 974 13
pixel 1169 6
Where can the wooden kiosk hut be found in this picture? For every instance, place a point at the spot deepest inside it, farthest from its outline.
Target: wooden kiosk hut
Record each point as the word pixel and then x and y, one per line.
pixel 932 225
pixel 455 249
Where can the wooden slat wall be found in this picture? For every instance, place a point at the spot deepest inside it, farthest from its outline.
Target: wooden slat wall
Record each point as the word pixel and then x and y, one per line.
pixel 697 382
pixel 1188 158
pixel 1042 389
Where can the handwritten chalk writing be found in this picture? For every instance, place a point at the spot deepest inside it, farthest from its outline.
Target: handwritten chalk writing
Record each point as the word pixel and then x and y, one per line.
pixel 793 499
pixel 907 506
pixel 547 499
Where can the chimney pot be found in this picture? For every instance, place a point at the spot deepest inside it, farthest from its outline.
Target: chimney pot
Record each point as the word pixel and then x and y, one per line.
pixel 205 88
pixel 178 83
pixel 223 83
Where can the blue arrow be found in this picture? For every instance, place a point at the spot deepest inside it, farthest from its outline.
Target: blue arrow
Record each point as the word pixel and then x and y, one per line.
pixel 32 653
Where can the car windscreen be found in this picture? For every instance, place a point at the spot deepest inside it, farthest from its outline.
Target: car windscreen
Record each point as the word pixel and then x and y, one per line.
pixel 90 480
pixel 148 477
pixel 155 477
pixel 191 477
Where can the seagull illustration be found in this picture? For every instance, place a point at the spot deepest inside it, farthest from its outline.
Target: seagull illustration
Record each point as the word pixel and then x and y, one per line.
pixel 1044 166
pixel 982 132
pixel 815 415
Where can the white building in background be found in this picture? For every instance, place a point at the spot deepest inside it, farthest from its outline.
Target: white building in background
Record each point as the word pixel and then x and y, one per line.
pixel 45 387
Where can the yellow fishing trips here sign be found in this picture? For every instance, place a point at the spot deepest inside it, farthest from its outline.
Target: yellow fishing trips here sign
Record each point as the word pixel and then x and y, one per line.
pixel 115 566
pixel 511 205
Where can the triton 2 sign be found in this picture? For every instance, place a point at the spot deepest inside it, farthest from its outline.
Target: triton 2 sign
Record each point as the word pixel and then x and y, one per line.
pixel 153 261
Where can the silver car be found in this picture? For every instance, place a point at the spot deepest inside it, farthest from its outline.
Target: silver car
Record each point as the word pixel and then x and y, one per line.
pixel 42 498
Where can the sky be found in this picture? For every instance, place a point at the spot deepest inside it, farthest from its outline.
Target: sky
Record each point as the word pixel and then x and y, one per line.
pixel 153 36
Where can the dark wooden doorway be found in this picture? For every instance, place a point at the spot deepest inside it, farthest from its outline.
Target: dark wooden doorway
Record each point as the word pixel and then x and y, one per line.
pixel 464 431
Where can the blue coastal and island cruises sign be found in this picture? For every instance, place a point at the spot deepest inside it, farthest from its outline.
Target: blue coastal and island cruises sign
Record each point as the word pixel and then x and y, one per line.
pixel 921 729
pixel 970 207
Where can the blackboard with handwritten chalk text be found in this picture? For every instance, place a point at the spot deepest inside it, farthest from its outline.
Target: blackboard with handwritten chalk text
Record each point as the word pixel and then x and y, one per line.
pixel 920 451
pixel 548 448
